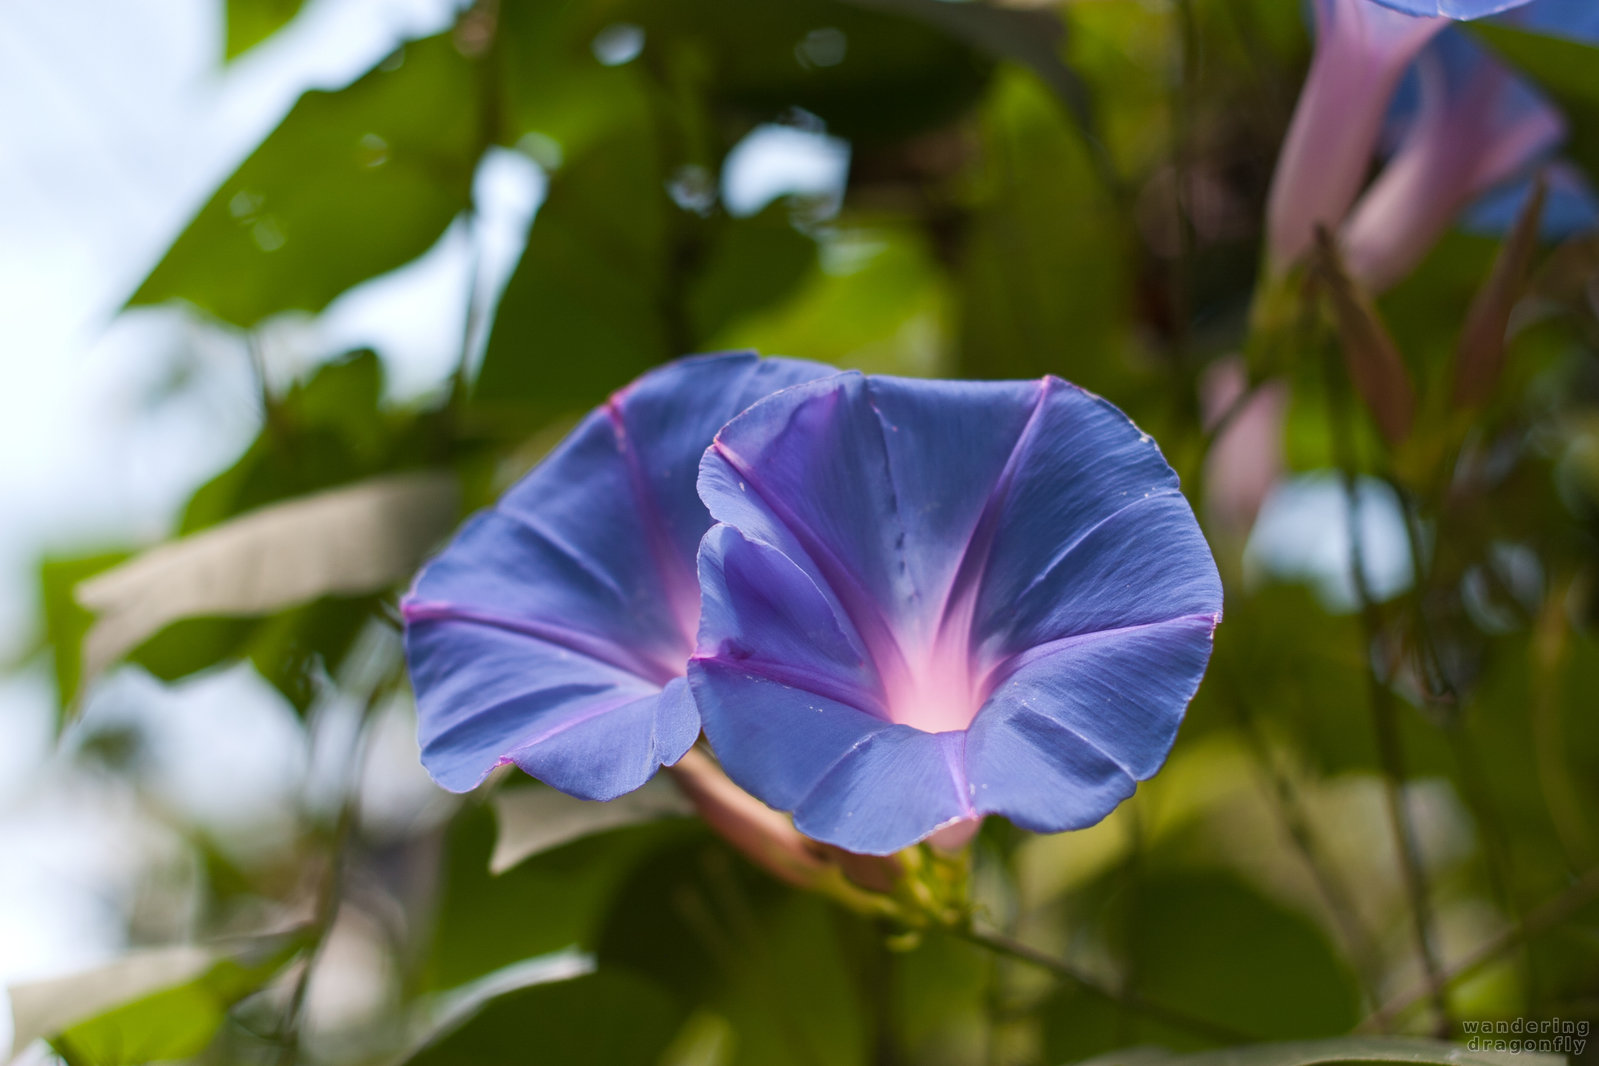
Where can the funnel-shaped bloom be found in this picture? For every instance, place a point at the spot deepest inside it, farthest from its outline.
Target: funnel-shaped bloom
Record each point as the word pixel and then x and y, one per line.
pixel 1476 127
pixel 932 601
pixel 1362 51
pixel 554 630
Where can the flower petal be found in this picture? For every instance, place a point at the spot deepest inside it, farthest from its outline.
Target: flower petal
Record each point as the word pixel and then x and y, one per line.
pixel 1094 534
pixel 902 560
pixel 894 788
pixel 1146 562
pixel 550 632
pixel 781 474
pixel 1362 50
pixel 1039 774
pixel 1570 206
pixel 1453 9
pixel 1143 675
pixel 1477 126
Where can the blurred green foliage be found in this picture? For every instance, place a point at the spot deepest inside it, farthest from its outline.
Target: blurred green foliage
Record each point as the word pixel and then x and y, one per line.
pixel 1072 189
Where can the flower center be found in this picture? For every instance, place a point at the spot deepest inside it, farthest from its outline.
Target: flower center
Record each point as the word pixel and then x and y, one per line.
pixel 939 688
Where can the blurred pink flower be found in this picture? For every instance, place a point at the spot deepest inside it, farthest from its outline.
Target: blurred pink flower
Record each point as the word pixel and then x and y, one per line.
pixel 1362 50
pixel 1246 458
pixel 1476 126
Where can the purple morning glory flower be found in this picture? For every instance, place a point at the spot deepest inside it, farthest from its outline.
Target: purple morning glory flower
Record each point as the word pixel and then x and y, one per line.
pixel 554 630
pixel 932 601
pixel 1362 50
pixel 1476 126
pixel 1476 130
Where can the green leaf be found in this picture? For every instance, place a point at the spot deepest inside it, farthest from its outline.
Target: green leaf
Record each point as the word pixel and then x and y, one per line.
pixel 1172 926
pixel 752 264
pixel 725 938
pixel 587 308
pixel 1563 69
pixel 328 430
pixel 554 900
pixel 1028 37
pixel 252 21
pixel 1350 1049
pixel 606 1018
pixel 160 1004
pixel 1045 276
pixel 352 184
pixel 67 622
pixel 534 819
pixel 1295 984
pixel 877 302
pixel 871 76
pixel 552 83
pixel 358 539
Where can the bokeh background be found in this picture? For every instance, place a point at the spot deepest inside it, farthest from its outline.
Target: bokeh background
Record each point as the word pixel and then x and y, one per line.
pixel 257 249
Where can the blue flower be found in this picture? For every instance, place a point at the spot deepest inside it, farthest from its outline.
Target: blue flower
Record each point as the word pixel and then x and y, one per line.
pixel 927 602
pixel 554 630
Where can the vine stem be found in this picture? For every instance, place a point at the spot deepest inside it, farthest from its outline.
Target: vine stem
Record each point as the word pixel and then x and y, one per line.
pixel 1296 824
pixel 1385 719
pixel 1552 913
pixel 1000 944
pixel 331 895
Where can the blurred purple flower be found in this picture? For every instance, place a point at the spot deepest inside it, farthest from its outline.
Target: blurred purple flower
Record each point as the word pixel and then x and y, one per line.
pixel 1362 51
pixel 1245 460
pixel 554 630
pixel 1475 128
pixel 933 601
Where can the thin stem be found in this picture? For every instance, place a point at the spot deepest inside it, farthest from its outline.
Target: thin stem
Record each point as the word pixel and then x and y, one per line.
pixel 331 896
pixel 1561 795
pixel 472 317
pixel 1296 824
pixel 1001 944
pixel 1385 721
pixel 1551 914
pixel 1182 276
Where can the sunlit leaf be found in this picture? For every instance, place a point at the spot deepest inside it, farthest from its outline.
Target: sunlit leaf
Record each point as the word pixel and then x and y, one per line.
pixel 158 1004
pixel 66 621
pixel 550 901
pixel 1044 276
pixel 535 819
pixel 871 76
pixel 587 308
pixel 605 1018
pixel 352 540
pixel 1032 38
pixel 252 21
pixel 876 302
pixel 352 184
